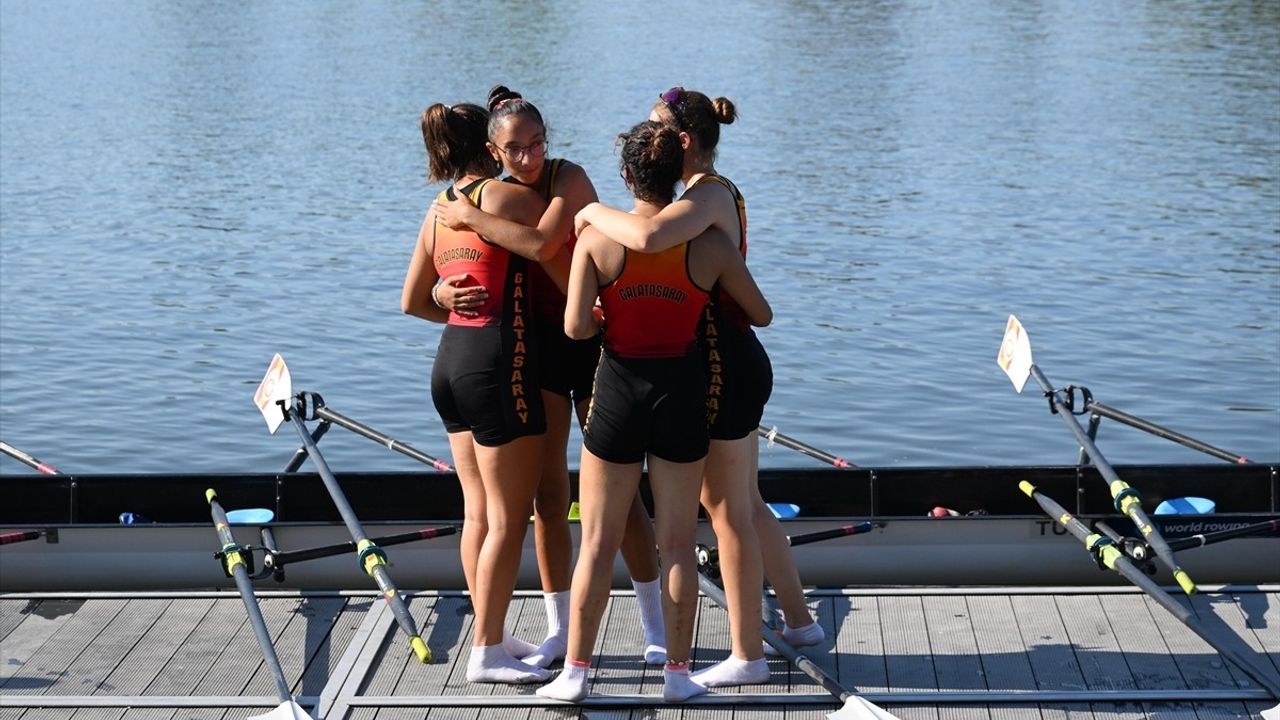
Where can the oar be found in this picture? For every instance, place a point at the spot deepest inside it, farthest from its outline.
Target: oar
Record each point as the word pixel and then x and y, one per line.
pixel 855 707
pixel 1121 416
pixel 771 436
pixel 1015 358
pixel 1195 541
pixel 710 557
pixel 279 558
pixel 28 460
pixel 371 557
pixel 235 566
pixel 324 413
pixel 1110 556
pixel 20 536
pixel 274 397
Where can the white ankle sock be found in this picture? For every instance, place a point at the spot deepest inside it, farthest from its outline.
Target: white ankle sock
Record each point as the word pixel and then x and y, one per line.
pixel 649 596
pixel 570 685
pixel 557 640
pixel 810 634
pixel 516 647
pixel 677 686
pixel 492 663
pixel 733 671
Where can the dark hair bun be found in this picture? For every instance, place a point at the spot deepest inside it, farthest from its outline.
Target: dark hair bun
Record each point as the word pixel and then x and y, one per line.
pixel 724 110
pixel 499 93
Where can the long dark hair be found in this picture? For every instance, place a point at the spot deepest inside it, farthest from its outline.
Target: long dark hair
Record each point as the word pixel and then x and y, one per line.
pixel 455 138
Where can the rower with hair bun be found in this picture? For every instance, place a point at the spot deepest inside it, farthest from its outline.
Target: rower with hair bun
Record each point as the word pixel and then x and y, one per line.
pixel 649 403
pixel 517 137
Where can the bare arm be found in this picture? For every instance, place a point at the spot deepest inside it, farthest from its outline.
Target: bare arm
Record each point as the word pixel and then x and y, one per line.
pixel 584 286
pixel 733 276
pixel 415 297
pixel 700 208
pixel 573 190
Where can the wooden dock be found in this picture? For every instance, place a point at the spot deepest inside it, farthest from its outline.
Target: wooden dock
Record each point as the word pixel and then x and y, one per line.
pixel 935 653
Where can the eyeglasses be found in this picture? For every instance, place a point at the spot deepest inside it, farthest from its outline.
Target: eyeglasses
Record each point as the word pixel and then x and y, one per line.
pixel 515 153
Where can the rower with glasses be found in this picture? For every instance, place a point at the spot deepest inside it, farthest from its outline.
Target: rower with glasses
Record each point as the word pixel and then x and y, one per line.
pixel 518 139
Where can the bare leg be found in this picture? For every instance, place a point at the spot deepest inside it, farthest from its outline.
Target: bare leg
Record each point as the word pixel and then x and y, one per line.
pixel 511 473
pixel 775 552
pixel 551 531
pixel 676 487
pixel 606 490
pixel 551 503
pixel 780 569
pixel 475 524
pixel 728 493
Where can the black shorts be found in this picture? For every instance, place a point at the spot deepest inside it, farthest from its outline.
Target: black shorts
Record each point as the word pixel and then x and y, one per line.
pixel 643 406
pixel 739 381
pixel 567 367
pixel 485 380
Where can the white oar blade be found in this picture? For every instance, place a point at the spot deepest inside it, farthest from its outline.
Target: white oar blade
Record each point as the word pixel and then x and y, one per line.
pixel 284 711
pixel 1272 714
pixel 855 708
pixel 276 385
pixel 1015 353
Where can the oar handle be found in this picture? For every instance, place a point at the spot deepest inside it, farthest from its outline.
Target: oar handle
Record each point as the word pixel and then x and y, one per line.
pixel 324 413
pixel 28 460
pixel 820 535
pixel 771 436
pixel 1147 426
pixel 17 537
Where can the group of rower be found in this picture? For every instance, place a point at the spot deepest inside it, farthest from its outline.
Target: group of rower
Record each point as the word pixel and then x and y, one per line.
pixel 640 323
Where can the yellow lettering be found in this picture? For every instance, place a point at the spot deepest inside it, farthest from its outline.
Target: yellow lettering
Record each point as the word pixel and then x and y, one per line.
pixel 711 330
pixel 519 291
pixel 517 391
pixel 520 348
pixel 517 377
pixel 713 356
pixel 519 321
pixel 517 361
pixel 711 418
pixel 520 278
pixel 517 307
pixel 524 417
pixel 522 405
pixel 715 384
pixel 713 403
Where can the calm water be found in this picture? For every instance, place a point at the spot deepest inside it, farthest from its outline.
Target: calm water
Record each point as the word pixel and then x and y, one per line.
pixel 187 188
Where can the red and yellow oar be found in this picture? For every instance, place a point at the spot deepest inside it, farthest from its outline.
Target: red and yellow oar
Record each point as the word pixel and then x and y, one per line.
pixel 26 459
pixel 1015 359
pixel 771 436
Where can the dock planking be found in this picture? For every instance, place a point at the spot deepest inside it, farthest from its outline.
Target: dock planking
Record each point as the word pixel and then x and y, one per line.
pixel 88 655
